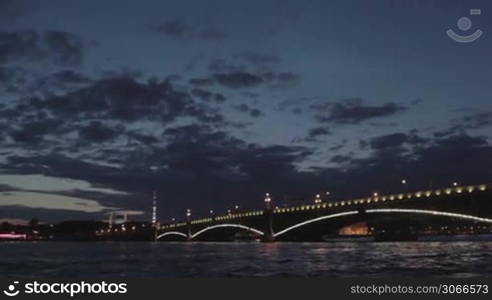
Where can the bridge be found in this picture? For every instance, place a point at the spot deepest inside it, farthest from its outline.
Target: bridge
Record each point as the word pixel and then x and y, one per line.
pixel 451 210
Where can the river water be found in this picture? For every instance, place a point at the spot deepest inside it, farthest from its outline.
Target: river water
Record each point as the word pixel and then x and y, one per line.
pixel 242 259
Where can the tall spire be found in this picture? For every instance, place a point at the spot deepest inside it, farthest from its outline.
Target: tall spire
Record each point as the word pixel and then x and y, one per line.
pixel 154 208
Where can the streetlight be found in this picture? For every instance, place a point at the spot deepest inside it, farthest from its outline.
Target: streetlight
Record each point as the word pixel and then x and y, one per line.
pixel 317 199
pixel 375 194
pixel 211 211
pixel 267 201
pixel 403 181
pixel 455 183
pixel 188 212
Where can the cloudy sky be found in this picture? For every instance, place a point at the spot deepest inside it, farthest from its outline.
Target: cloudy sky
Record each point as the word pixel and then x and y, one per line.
pixel 214 103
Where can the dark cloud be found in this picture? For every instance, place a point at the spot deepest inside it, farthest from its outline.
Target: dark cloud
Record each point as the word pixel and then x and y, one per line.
pixel 180 29
pixel 71 76
pixel 220 65
pixel 207 95
pixel 245 108
pixel 97 132
pixel 339 146
pixel 288 78
pixel 101 111
pixel 318 131
pixel 66 47
pixel 219 166
pixel 313 135
pixel 143 138
pixel 465 123
pixel 238 80
pixel 477 120
pixel 257 58
pixel 58 47
pixel 354 111
pixel 395 140
pixel 437 163
pixel 205 114
pixel 340 159
pixel 24 81
pixel 202 94
pixel 33 132
pixel 215 163
pixel 255 112
pixel 234 74
pixel 453 130
pixel 19 45
pixel 387 141
pixel 250 95
pixel 122 98
pixel 281 80
pixel 201 81
pixel 174 28
pixel 10 79
pixel 218 97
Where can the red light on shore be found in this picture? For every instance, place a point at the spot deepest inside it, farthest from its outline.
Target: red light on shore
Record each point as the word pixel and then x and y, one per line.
pixel 13 236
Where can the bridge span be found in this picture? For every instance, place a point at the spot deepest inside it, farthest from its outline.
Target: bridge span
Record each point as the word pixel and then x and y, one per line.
pixel 449 210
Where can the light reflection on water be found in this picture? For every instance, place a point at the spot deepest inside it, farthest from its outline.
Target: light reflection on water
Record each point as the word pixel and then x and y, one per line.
pixel 241 259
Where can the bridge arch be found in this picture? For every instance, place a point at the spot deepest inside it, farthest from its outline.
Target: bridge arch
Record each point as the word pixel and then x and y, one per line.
pixel 430 212
pixel 171 233
pixel 226 225
pixel 348 213
pixel 387 210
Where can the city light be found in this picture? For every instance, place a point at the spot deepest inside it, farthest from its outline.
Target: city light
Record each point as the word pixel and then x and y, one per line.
pixel 375 194
pixel 267 198
pixel 12 236
pixel 317 199
pixel 455 183
pixel 188 212
pixel 403 181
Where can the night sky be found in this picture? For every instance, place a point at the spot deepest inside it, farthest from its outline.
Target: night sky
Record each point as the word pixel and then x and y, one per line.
pixel 214 103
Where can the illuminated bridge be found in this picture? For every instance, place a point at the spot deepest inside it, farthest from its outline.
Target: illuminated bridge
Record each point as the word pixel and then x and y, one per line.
pixel 453 210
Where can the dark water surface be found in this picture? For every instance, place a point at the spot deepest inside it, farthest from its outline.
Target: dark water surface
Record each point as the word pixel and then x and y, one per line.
pixel 194 259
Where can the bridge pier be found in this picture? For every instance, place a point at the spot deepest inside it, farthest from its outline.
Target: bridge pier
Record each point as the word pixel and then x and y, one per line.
pixel 155 231
pixel 188 225
pixel 269 235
